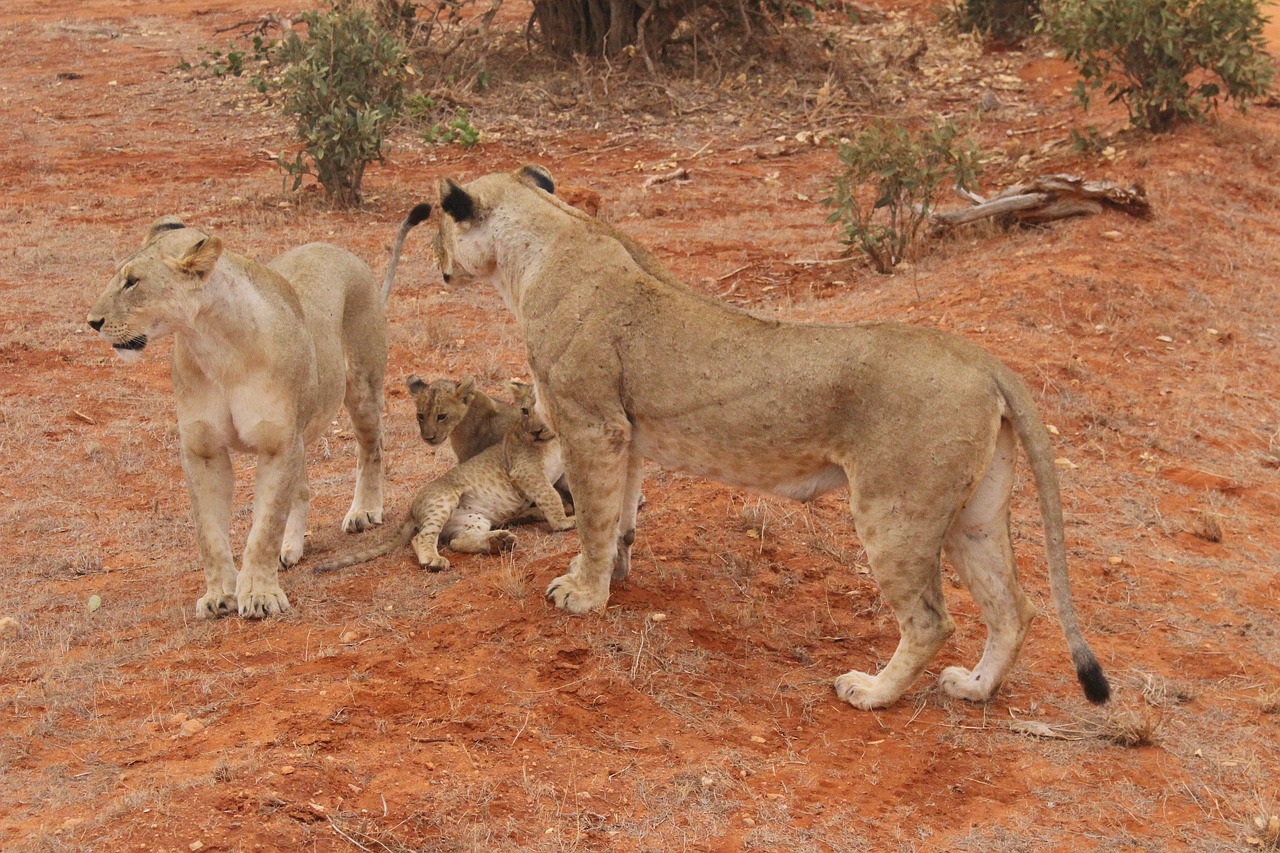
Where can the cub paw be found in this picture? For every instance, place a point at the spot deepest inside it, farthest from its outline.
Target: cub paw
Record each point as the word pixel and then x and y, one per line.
pixel 959 682
pixel 213 605
pixel 435 564
pixel 860 691
pixel 501 540
pixel 570 523
pixel 359 520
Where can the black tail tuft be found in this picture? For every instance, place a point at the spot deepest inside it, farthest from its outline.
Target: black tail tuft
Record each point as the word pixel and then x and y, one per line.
pixel 419 213
pixel 1096 688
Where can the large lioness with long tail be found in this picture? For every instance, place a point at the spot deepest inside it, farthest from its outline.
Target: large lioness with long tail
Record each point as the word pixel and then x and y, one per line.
pixel 263 357
pixel 921 426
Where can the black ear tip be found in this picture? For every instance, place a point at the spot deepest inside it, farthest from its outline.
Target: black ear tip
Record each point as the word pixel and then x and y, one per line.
pixel 458 204
pixel 419 214
pixel 541 177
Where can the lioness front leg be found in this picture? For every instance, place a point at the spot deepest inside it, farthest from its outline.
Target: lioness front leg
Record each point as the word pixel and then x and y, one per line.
pixel 595 458
pixel 258 592
pixel 211 482
pixel 364 405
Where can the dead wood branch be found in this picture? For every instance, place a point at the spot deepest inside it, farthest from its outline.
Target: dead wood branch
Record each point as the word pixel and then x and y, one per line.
pixel 1046 199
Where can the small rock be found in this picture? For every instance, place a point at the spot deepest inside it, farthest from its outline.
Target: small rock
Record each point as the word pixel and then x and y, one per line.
pixel 179 718
pixel 1112 236
pixel 1115 561
pixel 191 727
pixel 658 617
pixel 349 637
pixel 757 739
pixel 286 770
pixel 195 845
pixel 8 625
pixel 95 601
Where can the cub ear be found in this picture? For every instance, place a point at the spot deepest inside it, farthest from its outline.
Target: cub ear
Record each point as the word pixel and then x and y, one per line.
pixel 467 389
pixel 199 259
pixel 414 384
pixel 538 176
pixel 521 392
pixel 455 201
pixel 161 225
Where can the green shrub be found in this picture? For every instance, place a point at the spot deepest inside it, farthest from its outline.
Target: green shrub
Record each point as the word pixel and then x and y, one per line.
pixel 1004 21
pixel 1168 61
pixel 459 131
pixel 890 181
pixel 342 83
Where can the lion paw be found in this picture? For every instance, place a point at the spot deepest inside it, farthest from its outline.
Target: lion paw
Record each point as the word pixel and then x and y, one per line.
pixel 861 691
pixel 435 564
pixel 501 540
pixel 568 592
pixel 213 605
pixel 959 682
pixel 290 554
pixel 260 599
pixel 359 520
pixel 570 523
pixel 621 564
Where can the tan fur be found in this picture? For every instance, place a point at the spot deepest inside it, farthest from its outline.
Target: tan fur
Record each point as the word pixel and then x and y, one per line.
pixel 460 413
pixel 921 426
pixel 263 358
pixel 489 489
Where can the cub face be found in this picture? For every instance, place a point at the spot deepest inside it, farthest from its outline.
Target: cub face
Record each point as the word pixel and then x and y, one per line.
pixel 154 290
pixel 441 406
pixel 533 426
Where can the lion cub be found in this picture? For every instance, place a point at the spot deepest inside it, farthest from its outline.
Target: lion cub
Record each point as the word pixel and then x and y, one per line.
pixel 462 414
pixel 489 489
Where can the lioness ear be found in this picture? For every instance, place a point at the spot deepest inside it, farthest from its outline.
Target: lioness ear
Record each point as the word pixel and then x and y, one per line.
pixel 199 259
pixel 539 177
pixel 456 202
pixel 414 384
pixel 161 225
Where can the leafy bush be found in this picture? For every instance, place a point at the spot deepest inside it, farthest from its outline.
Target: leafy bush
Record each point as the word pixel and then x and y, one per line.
pixel 1003 21
pixel 460 130
pixel 890 181
pixel 342 82
pixel 1168 61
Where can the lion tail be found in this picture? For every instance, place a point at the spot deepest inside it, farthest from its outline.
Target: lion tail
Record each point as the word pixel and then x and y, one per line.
pixel 416 216
pixel 401 537
pixel 1021 412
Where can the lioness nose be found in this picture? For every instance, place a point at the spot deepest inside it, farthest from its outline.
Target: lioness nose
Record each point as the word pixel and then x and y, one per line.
pixel 96 325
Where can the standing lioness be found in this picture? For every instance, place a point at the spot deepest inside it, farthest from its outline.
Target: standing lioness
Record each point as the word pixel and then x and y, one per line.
pixel 263 357
pixel 921 426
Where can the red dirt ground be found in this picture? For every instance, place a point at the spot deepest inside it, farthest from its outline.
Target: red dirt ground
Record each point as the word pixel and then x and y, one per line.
pixel 393 709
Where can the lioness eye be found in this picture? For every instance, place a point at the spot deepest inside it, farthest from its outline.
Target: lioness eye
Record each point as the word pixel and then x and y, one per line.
pixel 129 282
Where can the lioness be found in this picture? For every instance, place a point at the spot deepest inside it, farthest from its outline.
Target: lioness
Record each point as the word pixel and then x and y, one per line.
pixel 263 357
pixel 921 426
pixel 487 490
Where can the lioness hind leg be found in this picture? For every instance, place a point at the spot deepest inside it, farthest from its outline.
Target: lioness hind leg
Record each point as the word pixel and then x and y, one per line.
pixel 627 520
pixel 979 546
pixel 364 400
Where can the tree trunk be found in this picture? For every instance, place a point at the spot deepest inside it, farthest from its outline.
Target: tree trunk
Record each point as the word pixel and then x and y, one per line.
pixel 570 28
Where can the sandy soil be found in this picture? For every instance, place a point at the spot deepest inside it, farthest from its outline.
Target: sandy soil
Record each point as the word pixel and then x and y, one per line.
pixel 393 709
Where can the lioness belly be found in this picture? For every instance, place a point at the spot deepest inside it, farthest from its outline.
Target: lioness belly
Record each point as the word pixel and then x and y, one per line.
pixel 791 473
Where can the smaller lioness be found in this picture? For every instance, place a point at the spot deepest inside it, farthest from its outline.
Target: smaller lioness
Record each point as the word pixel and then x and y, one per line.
pixel 459 412
pixel 264 355
pixel 489 489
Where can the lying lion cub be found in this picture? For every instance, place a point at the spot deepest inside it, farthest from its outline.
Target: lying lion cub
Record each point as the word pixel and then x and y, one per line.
pixel 263 357
pixel 921 426
pixel 489 489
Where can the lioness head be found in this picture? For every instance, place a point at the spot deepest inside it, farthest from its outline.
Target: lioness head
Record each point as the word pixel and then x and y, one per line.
pixel 466 211
pixel 532 425
pixel 153 290
pixel 441 406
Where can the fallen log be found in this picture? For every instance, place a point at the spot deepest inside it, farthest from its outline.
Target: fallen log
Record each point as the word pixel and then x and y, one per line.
pixel 1046 199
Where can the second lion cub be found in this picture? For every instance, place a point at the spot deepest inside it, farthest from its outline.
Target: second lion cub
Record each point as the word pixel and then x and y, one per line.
pixel 462 507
